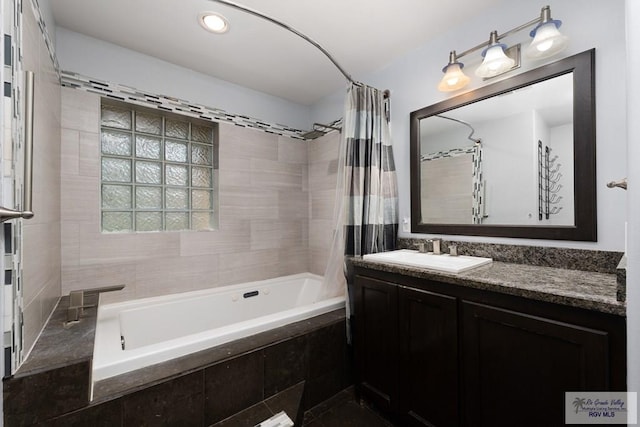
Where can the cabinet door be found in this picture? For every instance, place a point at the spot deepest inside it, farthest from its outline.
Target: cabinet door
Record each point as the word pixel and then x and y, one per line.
pixel 429 358
pixel 375 339
pixel 517 367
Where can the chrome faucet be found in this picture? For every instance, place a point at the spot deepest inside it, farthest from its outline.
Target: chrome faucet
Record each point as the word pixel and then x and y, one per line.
pixel 76 300
pixel 436 246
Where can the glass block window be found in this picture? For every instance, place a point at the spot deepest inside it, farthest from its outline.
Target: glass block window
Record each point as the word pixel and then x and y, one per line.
pixel 158 170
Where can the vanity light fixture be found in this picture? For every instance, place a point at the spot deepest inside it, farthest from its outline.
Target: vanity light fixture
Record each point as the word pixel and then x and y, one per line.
pixel 495 60
pixel 213 22
pixel 454 78
pixel 547 41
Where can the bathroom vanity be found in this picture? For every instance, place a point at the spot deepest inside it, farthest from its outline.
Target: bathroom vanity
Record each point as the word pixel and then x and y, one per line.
pixel 495 346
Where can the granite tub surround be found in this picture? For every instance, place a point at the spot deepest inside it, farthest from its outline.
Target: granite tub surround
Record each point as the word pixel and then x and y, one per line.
pixel 54 378
pixel 582 289
pixel 291 368
pixel 567 258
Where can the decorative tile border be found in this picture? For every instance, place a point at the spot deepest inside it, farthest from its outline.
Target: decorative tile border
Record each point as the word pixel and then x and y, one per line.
pixel 45 34
pixel 178 106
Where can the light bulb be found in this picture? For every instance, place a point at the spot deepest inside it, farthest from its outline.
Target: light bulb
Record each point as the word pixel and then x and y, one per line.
pixel 495 62
pixel 454 78
pixel 214 22
pixel 547 40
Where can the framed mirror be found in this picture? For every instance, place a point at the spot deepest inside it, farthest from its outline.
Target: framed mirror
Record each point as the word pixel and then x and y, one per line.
pixel 512 159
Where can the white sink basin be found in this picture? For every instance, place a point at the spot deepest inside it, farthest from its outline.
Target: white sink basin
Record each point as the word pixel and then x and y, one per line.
pixel 444 262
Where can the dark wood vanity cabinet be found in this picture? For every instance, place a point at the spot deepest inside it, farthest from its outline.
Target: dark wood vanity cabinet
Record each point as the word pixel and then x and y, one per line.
pixel 428 356
pixel 406 351
pixel 517 367
pixel 436 354
pixel 376 349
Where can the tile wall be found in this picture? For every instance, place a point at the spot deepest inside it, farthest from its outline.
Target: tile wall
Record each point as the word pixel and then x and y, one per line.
pixel 276 205
pixel 41 275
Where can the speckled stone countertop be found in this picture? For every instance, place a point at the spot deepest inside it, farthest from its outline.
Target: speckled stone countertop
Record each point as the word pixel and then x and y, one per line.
pixel 61 345
pixel 582 289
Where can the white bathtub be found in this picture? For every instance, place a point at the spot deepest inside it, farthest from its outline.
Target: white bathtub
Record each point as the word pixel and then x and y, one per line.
pixel 138 333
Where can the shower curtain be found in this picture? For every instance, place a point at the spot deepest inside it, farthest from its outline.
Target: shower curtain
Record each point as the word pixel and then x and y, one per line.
pixel 366 206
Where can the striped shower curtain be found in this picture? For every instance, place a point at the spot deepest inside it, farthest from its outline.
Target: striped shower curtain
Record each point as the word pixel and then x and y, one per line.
pixel 371 190
pixel 366 206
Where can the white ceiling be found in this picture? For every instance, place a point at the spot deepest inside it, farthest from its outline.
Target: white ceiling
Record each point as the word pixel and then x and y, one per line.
pixel 362 35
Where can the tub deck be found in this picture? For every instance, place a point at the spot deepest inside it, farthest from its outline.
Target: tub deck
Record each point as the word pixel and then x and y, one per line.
pixel 53 383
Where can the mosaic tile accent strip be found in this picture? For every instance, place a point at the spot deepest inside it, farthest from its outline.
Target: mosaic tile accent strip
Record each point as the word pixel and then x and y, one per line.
pixel 12 341
pixel 477 195
pixel 167 103
pixel 45 34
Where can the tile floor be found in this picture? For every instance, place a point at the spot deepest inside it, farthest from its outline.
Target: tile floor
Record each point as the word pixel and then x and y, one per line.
pixel 343 410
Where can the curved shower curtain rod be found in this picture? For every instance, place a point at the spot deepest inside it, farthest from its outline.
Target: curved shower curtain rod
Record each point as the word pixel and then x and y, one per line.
pixel 470 137
pixel 294 31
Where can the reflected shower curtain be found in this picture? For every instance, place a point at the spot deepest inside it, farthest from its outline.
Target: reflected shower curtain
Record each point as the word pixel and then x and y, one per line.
pixel 366 210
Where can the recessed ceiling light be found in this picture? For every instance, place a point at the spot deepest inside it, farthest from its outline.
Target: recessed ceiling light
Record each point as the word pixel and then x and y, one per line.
pixel 213 22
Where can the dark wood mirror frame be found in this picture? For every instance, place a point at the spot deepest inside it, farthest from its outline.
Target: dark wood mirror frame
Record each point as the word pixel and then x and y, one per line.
pixel 584 153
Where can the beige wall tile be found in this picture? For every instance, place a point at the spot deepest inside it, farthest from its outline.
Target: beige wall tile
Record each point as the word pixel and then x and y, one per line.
pixel 246 143
pixel 90 276
pixel 269 173
pixel 167 275
pixel 234 173
pixel 242 203
pixel 320 233
pixel 248 266
pixel 69 152
pixel 292 151
pixel 277 234
pixel 89 155
pixel 41 239
pixel 80 199
pixel 323 175
pixel 264 206
pixel 293 260
pixel 322 204
pixel 318 260
pixel 233 238
pixel 80 110
pixel 41 261
pixel 157 245
pixel 324 149
pixel 70 232
pixel 293 205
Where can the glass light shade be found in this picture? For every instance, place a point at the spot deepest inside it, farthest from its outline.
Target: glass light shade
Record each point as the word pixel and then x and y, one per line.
pixel 495 62
pixel 453 79
pixel 547 40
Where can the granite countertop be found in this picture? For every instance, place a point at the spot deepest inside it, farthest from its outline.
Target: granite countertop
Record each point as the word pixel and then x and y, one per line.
pixel 59 344
pixel 582 289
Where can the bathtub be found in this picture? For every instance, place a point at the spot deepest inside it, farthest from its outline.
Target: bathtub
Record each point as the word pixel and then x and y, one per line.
pixel 138 333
